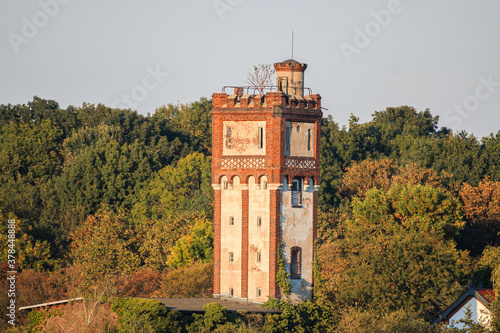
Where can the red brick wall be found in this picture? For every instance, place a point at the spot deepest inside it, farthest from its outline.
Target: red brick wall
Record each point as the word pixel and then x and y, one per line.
pixel 274 241
pixel 217 233
pixel 244 245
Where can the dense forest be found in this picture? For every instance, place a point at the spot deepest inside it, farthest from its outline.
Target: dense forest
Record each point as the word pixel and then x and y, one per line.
pixel 111 204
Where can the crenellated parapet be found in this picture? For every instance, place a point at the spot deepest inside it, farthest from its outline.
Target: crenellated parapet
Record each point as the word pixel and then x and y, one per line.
pixel 290 65
pixel 269 99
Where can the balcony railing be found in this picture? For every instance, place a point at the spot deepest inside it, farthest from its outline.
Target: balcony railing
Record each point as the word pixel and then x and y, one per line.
pixel 255 90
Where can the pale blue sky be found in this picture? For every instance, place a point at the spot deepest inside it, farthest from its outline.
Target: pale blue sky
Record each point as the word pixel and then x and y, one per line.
pixel 363 56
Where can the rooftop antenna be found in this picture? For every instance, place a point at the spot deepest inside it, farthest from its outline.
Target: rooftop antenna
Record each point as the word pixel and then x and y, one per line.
pixel 292 65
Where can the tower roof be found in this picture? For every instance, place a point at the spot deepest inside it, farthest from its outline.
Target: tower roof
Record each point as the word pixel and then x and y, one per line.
pixel 290 64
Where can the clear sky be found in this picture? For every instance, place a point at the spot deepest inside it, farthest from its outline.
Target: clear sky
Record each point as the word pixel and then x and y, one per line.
pixel 363 55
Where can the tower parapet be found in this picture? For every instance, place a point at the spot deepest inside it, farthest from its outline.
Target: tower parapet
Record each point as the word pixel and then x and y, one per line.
pixel 272 98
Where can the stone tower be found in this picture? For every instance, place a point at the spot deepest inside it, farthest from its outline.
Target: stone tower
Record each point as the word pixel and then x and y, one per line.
pixel 266 168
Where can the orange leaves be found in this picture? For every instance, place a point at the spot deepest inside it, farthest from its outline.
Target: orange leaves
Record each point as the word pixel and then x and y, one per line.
pixel 192 281
pixel 482 201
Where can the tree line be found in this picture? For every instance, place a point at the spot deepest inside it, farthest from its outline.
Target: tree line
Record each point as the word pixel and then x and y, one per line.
pixel 409 213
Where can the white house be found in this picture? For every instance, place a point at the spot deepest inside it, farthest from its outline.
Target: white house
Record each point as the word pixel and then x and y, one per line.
pixel 477 300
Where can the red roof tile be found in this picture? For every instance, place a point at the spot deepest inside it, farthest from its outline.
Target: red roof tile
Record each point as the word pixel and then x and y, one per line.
pixel 489 294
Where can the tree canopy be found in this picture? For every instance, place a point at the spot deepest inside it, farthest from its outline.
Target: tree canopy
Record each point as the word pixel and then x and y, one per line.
pixel 408 212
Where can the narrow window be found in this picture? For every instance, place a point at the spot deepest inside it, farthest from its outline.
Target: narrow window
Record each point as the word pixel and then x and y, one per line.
pixel 283 84
pixel 288 133
pixel 309 139
pixel 296 193
pixel 298 128
pixel 231 292
pixel 264 185
pixel 225 184
pixel 258 292
pixel 231 220
pixel 231 257
pixel 259 257
pixel 300 87
pixel 259 221
pixel 229 137
pixel 295 262
pixel 261 137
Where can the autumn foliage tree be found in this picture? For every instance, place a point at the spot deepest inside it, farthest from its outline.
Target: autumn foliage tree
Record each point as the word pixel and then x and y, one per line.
pixel 382 174
pixel 397 252
pixel 105 245
pixel 481 207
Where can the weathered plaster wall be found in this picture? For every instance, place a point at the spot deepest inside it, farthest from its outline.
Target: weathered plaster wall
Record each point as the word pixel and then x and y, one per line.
pixel 296 77
pixel 244 138
pixel 299 139
pixel 231 205
pixel 258 241
pixel 297 230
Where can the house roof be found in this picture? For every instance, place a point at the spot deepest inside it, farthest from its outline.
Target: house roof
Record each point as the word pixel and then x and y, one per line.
pixel 64 301
pixel 485 296
pixel 488 294
pixel 195 305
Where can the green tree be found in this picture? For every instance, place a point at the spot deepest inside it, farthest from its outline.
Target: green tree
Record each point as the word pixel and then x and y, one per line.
pixel 339 149
pixel 28 251
pixel 181 188
pixel 394 122
pixel 30 151
pixel 192 121
pixel 145 315
pixel 104 172
pixel 197 245
pixel 491 152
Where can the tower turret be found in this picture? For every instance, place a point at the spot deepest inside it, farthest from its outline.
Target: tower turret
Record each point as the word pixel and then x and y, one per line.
pixel 290 77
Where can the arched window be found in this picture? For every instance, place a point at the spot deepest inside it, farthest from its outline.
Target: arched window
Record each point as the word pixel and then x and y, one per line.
pixel 296 262
pixel 263 183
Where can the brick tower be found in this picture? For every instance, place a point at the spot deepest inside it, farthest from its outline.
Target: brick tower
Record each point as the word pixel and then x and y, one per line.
pixel 266 168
